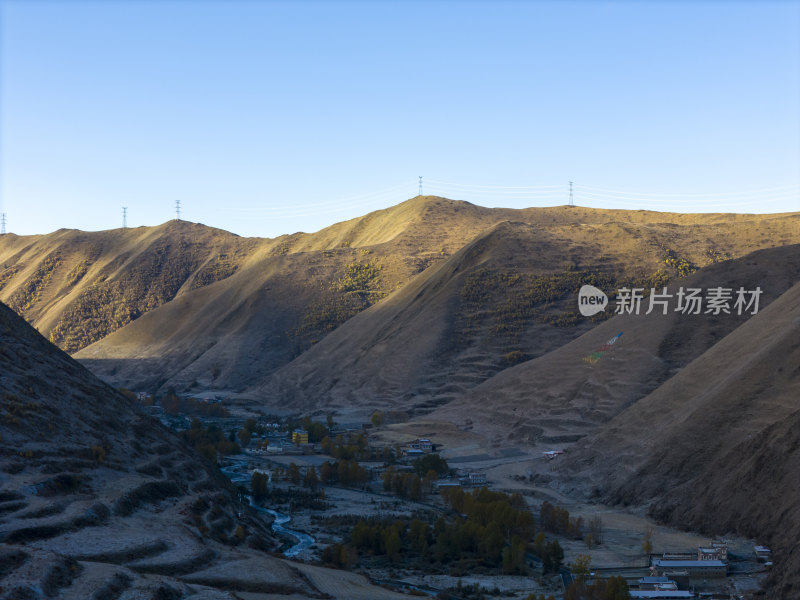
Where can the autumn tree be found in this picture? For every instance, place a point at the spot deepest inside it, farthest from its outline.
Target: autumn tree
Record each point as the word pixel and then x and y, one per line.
pixel 258 484
pixel 310 480
pixel 294 473
pixel 647 540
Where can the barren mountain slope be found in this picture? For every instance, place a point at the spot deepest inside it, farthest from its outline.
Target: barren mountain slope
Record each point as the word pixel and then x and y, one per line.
pixel 509 295
pixel 77 287
pixel 559 397
pixel 717 447
pixel 99 501
pixel 272 299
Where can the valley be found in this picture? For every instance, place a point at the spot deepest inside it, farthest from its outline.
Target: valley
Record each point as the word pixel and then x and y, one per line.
pixel 432 320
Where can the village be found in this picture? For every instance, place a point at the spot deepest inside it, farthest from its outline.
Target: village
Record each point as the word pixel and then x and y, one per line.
pixel 326 478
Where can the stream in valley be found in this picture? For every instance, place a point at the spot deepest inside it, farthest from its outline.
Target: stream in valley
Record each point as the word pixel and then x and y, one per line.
pixel 235 474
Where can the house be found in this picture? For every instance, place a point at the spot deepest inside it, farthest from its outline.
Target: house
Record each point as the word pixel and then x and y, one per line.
pixel 681 578
pixel 420 446
pixel 763 554
pixel 698 569
pixel 665 594
pixel 446 484
pixel 477 479
pixel 715 551
pixel 657 583
pixel 299 437
pixel 678 556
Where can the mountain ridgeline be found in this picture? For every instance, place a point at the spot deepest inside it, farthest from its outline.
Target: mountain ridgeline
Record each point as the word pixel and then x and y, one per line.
pixel 186 306
pixel 457 315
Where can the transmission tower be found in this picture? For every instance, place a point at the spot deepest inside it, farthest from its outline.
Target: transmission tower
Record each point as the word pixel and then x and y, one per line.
pixel 3 224
pixel 124 217
pixel 178 210
pixel 571 203
pixel 420 185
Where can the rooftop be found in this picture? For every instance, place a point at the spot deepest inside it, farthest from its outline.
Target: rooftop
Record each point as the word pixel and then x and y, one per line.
pixel 661 594
pixel 660 562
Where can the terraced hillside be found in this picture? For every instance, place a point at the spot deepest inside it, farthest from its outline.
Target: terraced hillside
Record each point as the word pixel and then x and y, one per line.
pixel 100 501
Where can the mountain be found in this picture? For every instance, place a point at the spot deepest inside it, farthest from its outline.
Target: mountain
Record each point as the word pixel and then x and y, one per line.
pixel 692 416
pixel 716 448
pixel 560 397
pixel 186 306
pixel 77 287
pixel 508 296
pixel 98 500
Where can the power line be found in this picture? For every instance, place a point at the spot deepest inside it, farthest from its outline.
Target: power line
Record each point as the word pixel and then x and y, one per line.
pixel 124 217
pixel 420 186
pixel 571 203
pixel 178 210
pixel 785 189
pixel 498 187
pixel 3 224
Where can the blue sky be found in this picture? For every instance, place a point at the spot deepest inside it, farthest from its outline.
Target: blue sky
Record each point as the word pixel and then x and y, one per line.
pixel 266 117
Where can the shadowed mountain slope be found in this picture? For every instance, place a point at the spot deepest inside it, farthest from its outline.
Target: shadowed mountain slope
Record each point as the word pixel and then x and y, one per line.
pixel 694 416
pixel 717 447
pixel 100 501
pixel 559 397
pixel 197 308
pixel 508 296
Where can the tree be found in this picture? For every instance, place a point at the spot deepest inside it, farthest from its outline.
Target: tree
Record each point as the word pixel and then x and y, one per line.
pixel 540 545
pixel 326 472
pixel 377 418
pixel 329 421
pixel 553 556
pixel 415 493
pixel 617 588
pixel 647 540
pixel 393 544
pixel 258 484
pixel 311 480
pixel 244 437
pixel 294 473
pixel 388 475
pixel 316 432
pixel 430 462
pixel 581 567
pixel 596 529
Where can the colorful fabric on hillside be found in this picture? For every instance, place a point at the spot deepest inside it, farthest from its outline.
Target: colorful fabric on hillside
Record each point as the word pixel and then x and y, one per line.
pixel 595 356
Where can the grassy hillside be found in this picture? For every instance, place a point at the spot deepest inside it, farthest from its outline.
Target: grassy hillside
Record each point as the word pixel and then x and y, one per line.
pixel 195 307
pixel 716 448
pixel 508 296
pixel 77 287
pixel 559 397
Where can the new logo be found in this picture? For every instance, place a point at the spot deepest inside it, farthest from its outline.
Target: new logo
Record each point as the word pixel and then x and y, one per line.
pixel 591 300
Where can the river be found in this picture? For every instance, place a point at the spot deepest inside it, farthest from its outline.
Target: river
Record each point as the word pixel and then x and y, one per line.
pixel 304 541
